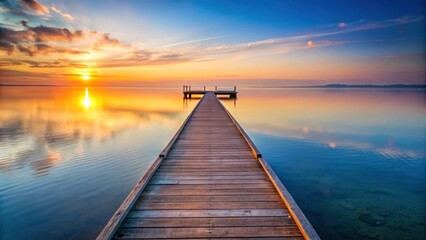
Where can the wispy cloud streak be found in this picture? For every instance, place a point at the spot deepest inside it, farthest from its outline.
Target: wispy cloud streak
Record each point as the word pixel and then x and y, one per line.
pixel 188 42
pixel 65 15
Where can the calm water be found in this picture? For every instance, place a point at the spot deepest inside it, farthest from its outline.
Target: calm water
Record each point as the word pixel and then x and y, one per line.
pixel 354 160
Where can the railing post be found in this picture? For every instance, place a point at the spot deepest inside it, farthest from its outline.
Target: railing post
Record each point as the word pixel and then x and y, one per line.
pixel 189 88
pixel 183 88
pixel 235 88
pixel 204 88
pixel 215 88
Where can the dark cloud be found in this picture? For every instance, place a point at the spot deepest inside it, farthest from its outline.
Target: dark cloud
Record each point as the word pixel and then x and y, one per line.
pixel 31 40
pixel 8 74
pixel 24 23
pixel 44 33
pixel 35 6
pixel 24 8
pixel 4 63
pixel 24 50
pixel 38 34
pixel 44 49
pixel 59 63
pixel 13 37
pixel 7 47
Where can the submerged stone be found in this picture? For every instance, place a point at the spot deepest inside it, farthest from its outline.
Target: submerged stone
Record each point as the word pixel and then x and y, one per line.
pixel 347 205
pixel 372 219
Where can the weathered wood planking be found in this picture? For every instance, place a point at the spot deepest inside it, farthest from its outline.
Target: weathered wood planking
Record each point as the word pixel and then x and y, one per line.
pixel 209 182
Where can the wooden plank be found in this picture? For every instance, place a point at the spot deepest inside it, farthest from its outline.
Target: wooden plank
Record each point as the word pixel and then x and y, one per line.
pixel 208 170
pixel 167 233
pixel 278 212
pixel 206 181
pixel 207 222
pixel 209 175
pixel 148 205
pixel 197 192
pixel 227 198
pixel 212 164
pixel 165 187
pixel 212 173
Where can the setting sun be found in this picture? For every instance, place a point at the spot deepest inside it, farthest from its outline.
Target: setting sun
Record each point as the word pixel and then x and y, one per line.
pixel 85 77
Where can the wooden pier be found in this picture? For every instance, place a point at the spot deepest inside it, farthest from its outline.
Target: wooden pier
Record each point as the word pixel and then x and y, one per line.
pixel 187 92
pixel 209 182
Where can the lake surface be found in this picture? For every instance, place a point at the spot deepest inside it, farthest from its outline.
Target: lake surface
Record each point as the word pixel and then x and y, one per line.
pixel 353 159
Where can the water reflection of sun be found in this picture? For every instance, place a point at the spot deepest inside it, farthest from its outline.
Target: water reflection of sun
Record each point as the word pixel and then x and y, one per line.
pixel 86 101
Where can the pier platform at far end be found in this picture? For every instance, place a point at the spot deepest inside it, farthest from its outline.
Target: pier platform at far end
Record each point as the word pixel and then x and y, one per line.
pixel 187 92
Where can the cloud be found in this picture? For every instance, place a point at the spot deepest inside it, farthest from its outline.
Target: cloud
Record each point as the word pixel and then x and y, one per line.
pixel 38 34
pixel 32 10
pixel 35 6
pixel 342 25
pixel 65 15
pixel 24 50
pixel 11 36
pixel 147 58
pixel 291 43
pixel 105 41
pixel 60 63
pixel 187 42
pixel 7 47
pixel 421 55
pixel 44 33
pixel 45 49
pixel 31 40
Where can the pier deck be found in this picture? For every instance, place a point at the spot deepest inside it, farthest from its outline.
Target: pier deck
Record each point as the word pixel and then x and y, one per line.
pixel 209 182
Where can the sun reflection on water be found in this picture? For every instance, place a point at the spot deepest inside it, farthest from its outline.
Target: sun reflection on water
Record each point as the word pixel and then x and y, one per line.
pixel 87 102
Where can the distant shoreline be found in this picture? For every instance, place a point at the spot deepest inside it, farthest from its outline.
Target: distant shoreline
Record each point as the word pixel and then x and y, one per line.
pixel 332 86
pixel 394 86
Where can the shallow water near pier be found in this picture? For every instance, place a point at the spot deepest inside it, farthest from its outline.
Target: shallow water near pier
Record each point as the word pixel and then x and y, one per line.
pixel 353 159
